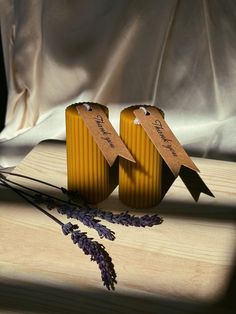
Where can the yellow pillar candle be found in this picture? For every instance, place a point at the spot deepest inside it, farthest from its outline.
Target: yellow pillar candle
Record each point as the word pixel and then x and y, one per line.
pixel 140 182
pixel 88 172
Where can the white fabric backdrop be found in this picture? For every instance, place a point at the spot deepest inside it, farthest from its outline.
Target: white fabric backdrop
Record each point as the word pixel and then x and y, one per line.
pixel 179 55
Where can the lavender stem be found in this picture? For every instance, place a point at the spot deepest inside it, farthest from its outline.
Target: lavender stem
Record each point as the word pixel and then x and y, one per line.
pixel 32 203
pixel 29 178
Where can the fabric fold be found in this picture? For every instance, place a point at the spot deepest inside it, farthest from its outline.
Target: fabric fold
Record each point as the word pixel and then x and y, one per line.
pixel 178 55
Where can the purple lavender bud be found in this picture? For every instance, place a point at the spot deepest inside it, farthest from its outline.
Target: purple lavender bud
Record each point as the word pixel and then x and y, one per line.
pixel 68 228
pixel 48 201
pixel 38 198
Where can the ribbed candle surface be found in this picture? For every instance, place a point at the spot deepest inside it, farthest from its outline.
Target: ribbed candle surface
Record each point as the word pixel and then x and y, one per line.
pixel 87 170
pixel 140 182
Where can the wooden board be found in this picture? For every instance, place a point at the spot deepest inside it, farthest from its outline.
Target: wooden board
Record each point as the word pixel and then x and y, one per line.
pixel 181 266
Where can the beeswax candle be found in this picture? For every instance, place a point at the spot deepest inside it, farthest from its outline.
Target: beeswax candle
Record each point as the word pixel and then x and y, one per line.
pixel 140 182
pixel 87 170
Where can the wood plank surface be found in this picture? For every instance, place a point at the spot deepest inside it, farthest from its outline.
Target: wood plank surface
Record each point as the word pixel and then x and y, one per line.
pixel 185 265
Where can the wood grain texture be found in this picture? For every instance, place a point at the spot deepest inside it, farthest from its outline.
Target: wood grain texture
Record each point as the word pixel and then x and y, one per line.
pixel 182 266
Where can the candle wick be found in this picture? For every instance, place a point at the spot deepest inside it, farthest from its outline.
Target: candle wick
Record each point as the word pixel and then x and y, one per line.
pixel 136 120
pixel 87 106
pixel 144 110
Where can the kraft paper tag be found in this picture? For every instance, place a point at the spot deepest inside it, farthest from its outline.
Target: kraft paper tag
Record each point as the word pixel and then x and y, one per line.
pixel 171 150
pixel 105 136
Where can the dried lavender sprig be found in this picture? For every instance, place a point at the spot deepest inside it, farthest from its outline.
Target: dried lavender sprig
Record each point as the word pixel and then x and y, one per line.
pixel 124 218
pixel 97 252
pixel 83 216
pixel 93 248
pixel 73 212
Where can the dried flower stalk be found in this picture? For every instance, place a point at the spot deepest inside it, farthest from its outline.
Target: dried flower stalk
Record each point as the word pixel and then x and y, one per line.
pixel 85 213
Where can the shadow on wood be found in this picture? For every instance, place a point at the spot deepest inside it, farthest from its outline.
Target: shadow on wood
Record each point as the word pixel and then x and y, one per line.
pixel 26 297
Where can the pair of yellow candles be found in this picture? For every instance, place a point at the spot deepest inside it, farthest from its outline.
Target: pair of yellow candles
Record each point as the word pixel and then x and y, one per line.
pixel 89 173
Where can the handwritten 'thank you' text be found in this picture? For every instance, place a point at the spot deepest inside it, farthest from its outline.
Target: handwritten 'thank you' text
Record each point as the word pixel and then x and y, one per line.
pixel 100 124
pixel 167 142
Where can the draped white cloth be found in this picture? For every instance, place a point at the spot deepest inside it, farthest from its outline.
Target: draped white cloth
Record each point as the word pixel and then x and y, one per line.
pixel 178 55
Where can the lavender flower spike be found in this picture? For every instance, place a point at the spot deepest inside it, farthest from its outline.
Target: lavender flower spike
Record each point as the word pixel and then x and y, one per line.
pixel 80 214
pixel 124 218
pixel 96 251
